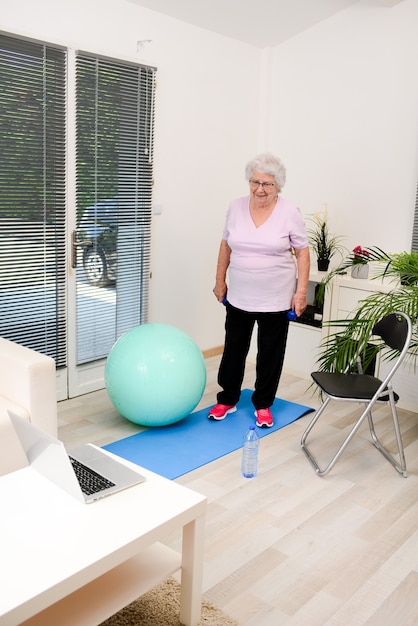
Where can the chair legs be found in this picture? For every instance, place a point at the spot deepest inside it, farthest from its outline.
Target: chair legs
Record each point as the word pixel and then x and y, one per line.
pixel 399 466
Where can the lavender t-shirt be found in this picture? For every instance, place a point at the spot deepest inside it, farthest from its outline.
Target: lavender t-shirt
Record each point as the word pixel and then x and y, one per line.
pixel 262 269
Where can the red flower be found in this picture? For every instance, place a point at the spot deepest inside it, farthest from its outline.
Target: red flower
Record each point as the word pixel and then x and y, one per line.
pixel 360 254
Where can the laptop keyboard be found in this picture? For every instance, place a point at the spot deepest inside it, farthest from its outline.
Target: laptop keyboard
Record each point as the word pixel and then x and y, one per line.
pixel 90 481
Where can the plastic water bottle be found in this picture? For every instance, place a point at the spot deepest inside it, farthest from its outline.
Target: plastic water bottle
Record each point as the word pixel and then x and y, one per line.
pixel 249 464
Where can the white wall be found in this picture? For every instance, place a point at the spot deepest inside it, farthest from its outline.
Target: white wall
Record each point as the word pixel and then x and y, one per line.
pixel 345 120
pixel 339 104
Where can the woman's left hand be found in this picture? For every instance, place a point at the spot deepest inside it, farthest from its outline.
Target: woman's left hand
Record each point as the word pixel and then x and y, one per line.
pixel 299 303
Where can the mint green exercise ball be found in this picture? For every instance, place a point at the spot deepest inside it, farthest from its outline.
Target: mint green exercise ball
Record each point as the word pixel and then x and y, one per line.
pixel 155 375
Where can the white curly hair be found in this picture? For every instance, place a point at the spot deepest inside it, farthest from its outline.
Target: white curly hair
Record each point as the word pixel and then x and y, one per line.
pixel 268 164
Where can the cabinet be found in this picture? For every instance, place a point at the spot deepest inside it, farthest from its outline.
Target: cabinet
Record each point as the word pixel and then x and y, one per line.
pixel 305 335
pixel 347 293
pixel 341 299
pixel 302 349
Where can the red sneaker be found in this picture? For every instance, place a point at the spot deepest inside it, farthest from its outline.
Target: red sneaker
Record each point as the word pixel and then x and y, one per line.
pixel 220 411
pixel 264 418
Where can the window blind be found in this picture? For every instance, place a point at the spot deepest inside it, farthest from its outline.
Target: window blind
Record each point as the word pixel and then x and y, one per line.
pixel 415 227
pixel 32 196
pixel 114 165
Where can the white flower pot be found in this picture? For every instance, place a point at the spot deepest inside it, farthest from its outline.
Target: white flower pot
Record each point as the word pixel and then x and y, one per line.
pixel 360 270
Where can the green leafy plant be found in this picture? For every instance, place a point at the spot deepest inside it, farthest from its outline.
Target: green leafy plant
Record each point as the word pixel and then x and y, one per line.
pixel 404 266
pixel 324 244
pixel 343 345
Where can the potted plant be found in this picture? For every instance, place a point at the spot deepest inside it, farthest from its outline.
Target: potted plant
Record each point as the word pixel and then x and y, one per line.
pixel 324 244
pixel 339 348
pixel 404 265
pixel 360 267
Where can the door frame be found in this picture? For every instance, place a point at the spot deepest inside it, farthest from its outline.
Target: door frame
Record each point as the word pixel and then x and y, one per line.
pixel 74 380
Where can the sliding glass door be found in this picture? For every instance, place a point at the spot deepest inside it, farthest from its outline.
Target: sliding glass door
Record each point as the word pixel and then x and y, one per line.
pixel 76 132
pixel 111 244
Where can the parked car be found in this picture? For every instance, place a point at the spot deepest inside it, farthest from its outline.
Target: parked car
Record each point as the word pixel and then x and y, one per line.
pixel 97 233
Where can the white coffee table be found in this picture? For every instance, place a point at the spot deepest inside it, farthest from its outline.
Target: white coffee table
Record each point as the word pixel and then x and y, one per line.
pixel 67 563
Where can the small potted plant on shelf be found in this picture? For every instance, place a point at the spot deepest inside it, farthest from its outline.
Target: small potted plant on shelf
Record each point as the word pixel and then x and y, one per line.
pixel 323 243
pixel 361 259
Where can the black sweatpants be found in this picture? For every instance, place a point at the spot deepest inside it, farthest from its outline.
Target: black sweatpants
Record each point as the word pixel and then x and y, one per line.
pixel 271 345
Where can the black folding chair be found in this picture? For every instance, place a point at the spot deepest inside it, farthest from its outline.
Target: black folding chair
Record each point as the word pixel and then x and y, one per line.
pixel 395 330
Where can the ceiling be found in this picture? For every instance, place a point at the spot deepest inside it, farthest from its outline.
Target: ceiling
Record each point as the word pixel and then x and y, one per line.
pixel 260 23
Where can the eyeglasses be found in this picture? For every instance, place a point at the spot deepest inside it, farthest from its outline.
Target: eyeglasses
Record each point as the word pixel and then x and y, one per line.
pixel 257 183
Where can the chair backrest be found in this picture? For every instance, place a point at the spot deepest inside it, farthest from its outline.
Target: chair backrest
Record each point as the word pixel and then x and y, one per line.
pixel 395 330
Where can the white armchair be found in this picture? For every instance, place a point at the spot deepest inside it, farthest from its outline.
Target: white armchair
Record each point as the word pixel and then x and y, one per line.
pixel 28 388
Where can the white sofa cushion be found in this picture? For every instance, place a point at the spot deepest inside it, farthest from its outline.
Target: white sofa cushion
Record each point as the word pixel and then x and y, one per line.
pixel 27 387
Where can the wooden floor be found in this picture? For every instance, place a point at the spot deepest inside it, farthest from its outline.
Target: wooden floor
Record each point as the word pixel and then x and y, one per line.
pixel 289 547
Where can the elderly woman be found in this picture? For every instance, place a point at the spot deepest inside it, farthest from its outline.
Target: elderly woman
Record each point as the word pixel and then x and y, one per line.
pixel 263 234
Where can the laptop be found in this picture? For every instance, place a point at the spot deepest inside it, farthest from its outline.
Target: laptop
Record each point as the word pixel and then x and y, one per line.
pixel 87 473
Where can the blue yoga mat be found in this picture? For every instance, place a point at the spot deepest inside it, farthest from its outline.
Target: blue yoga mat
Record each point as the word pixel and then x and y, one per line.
pixel 179 448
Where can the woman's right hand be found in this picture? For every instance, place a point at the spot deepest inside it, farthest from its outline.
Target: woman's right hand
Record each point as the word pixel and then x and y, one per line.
pixel 220 292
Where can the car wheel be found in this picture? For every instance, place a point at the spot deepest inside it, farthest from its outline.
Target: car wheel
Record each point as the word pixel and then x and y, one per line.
pixel 95 267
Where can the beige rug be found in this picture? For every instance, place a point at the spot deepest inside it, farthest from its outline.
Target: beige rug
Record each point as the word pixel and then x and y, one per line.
pixel 161 607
